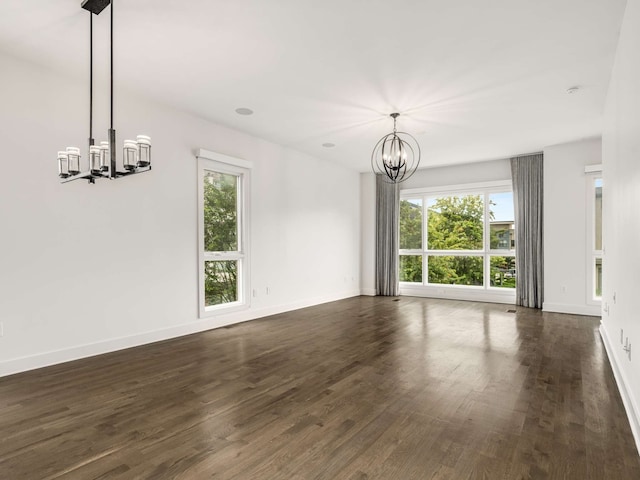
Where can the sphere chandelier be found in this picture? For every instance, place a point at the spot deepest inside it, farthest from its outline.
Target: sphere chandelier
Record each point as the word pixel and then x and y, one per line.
pixel 396 155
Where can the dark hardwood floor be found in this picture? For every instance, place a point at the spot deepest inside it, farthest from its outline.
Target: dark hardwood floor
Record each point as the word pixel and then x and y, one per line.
pixel 363 388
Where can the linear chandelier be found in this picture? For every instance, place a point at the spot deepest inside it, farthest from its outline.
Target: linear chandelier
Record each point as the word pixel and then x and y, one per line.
pixel 102 158
pixel 396 155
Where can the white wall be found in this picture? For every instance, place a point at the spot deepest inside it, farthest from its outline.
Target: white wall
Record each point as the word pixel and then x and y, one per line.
pixel 459 174
pixel 86 269
pixel 621 217
pixel 425 177
pixel 566 277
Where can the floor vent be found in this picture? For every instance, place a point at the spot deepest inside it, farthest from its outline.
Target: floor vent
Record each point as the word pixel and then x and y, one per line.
pixel 511 311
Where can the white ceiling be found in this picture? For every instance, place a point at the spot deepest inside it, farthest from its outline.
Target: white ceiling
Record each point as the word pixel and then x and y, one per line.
pixel 474 80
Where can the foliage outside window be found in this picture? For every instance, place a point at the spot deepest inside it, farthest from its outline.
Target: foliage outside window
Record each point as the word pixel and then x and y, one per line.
pixel 455 222
pixel 220 236
pixel 455 270
pixel 411 224
pixel 411 268
pixel 223 260
pixel 469 239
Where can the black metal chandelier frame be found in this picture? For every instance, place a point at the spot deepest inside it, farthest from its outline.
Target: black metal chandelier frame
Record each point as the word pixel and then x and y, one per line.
pixel 396 155
pixel 141 150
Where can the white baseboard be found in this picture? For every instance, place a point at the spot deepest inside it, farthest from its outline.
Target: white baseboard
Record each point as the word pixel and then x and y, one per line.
pixel 457 293
pixel 591 310
pixel 23 364
pixel 629 401
pixel 369 292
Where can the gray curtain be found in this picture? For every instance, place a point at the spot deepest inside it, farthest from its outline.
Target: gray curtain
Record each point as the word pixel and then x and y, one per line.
pixel 526 174
pixel 387 218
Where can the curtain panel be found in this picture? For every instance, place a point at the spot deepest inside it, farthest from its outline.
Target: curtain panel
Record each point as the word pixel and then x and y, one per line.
pixel 526 173
pixel 387 237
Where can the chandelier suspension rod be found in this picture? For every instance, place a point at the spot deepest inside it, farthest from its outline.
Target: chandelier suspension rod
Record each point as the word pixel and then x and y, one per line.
pixel 112 132
pixel 90 78
pixel 111 61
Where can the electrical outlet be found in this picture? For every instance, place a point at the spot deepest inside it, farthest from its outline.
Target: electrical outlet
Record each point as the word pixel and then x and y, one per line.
pixel 563 289
pixel 255 293
pixel 267 290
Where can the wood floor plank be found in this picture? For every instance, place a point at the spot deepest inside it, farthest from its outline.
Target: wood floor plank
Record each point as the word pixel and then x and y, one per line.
pixel 359 389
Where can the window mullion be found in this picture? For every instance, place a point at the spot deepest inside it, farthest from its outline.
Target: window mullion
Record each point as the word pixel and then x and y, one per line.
pixel 425 241
pixel 456 253
pixel 223 255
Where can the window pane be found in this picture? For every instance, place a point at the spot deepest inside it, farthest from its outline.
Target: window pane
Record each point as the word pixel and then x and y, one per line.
pixel 411 268
pixel 455 223
pixel 598 277
pixel 220 282
pixel 411 224
pixel 455 270
pixel 598 211
pixel 220 212
pixel 501 221
pixel 503 272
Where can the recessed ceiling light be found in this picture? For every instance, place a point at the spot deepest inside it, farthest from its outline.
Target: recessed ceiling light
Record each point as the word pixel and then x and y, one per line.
pixel 244 111
pixel 572 90
pixel 328 145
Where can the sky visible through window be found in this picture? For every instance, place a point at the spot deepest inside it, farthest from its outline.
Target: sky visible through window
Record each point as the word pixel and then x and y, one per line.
pixel 502 206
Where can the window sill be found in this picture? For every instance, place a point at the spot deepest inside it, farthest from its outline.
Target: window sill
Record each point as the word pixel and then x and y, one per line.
pixel 460 292
pixel 217 310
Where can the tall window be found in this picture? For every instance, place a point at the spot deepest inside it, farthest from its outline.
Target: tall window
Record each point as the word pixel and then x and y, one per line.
pixel 596 237
pixel 458 238
pixel 223 234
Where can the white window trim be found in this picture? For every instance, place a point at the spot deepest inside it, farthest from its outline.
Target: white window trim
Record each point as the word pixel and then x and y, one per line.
pixel 471 292
pixel 592 172
pixel 218 162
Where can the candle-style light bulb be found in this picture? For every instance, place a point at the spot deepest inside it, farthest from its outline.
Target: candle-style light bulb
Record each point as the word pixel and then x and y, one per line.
pixel 130 160
pixel 94 159
pixel 73 156
pixel 144 150
pixel 63 164
pixel 105 159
